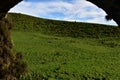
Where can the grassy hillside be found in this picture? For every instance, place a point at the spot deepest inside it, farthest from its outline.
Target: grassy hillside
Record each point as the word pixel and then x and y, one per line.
pixel 59 50
pixel 62 28
pixel 65 58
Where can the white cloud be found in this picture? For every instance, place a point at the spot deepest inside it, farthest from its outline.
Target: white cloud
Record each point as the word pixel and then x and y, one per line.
pixel 78 10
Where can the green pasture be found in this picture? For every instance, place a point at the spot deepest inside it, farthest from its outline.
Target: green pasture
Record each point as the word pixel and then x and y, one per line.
pixel 66 58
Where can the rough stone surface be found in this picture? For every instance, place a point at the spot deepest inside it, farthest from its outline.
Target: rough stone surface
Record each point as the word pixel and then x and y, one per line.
pixel 11 67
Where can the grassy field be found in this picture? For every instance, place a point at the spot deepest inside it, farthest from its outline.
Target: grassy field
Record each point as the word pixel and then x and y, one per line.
pixel 66 58
pixel 59 50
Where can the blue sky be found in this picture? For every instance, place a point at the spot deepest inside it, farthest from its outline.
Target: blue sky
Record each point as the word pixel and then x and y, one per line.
pixel 68 10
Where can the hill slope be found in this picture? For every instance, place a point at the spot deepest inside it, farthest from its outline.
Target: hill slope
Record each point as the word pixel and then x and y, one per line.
pixel 56 57
pixel 62 28
pixel 66 58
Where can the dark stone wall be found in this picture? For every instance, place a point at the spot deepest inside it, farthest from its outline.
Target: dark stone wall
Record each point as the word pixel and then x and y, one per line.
pixel 11 63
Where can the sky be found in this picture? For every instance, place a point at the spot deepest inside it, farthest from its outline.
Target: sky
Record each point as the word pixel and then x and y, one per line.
pixel 68 10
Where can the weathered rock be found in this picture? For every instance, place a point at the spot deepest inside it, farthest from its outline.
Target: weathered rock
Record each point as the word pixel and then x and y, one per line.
pixel 11 67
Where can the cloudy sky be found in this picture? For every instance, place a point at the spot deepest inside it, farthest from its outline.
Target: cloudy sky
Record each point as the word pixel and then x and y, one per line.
pixel 70 10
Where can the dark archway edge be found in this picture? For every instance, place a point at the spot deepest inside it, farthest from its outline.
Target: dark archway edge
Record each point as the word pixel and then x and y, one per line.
pixel 6 5
pixel 111 7
pixel 11 64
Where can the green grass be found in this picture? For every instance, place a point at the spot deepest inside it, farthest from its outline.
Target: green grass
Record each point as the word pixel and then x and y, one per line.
pixel 60 50
pixel 67 58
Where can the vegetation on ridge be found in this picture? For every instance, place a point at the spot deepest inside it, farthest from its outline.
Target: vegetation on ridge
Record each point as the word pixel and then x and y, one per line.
pixel 63 28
